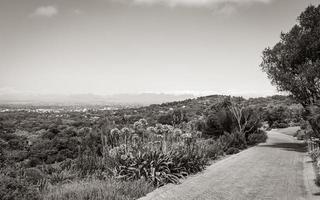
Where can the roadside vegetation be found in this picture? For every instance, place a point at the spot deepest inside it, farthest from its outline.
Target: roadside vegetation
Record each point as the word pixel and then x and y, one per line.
pixel 126 153
pixel 293 65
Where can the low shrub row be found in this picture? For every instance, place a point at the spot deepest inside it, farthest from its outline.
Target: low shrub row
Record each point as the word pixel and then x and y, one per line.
pixel 315 156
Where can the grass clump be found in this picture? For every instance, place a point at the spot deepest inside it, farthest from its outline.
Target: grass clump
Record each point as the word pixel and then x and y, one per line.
pixel 95 189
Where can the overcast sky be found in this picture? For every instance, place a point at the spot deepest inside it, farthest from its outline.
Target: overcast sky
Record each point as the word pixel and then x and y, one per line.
pixel 134 46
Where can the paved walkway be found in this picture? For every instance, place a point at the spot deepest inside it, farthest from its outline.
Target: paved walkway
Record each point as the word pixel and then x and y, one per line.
pixel 273 170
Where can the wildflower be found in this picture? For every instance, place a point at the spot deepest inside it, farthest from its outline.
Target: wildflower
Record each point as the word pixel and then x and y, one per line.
pixel 151 129
pixel 135 137
pixel 113 153
pixel 138 125
pixel 186 135
pixel 123 157
pixel 177 132
pixel 159 137
pixel 115 132
pixel 167 128
pixel 159 128
pixel 199 134
pixel 125 131
pixel 143 122
pixel 122 147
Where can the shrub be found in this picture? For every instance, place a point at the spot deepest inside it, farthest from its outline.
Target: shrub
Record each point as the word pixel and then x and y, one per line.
pixel 212 126
pixel 259 137
pixel 94 189
pixel 62 176
pixel 232 150
pixel 280 125
pixel 315 154
pixel 17 189
pixel 161 168
pixel 235 139
pixel 300 134
pixel 304 124
pixel 33 175
pixel 212 148
pixel 88 163
pixel 317 180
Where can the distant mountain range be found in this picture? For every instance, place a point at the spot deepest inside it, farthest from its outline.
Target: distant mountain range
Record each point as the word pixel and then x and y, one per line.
pixel 92 99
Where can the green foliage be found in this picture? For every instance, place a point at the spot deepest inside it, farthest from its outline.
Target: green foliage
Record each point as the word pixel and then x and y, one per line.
pixel 213 126
pixel 213 148
pixel 33 175
pixel 158 154
pixel 157 167
pixel 16 188
pixel 276 117
pixel 315 155
pixel 280 125
pixel 300 134
pixel 293 63
pixel 174 117
pixel 232 150
pixel 233 140
pixel 259 137
pixel 219 119
pixel 94 189
pixel 312 114
pixel 317 180
pixel 60 155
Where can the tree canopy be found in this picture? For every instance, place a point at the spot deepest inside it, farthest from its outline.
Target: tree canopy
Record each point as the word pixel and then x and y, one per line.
pixel 293 64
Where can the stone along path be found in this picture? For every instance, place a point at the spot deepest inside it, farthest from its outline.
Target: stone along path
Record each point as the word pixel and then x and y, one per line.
pixel 273 170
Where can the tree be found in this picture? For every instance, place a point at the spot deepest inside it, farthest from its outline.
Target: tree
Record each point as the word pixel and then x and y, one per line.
pixel 293 64
pixel 276 115
pixel 247 118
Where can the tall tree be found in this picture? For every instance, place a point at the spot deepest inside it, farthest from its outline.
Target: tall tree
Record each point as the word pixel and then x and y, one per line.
pixel 293 64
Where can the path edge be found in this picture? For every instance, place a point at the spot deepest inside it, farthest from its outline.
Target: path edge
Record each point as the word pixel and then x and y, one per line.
pixel 309 177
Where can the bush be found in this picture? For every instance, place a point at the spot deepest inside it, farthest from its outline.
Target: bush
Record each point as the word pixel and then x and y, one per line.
pixel 232 150
pixel 304 124
pixel 213 148
pixel 33 175
pixel 315 155
pixel 161 168
pixel 17 189
pixel 317 180
pixel 62 176
pixel 94 189
pixel 280 125
pixel 259 137
pixel 300 134
pixel 236 140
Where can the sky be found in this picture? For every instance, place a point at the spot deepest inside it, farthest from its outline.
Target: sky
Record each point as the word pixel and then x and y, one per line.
pixel 136 46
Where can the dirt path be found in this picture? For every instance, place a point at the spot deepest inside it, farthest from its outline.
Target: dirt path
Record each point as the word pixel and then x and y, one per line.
pixel 274 170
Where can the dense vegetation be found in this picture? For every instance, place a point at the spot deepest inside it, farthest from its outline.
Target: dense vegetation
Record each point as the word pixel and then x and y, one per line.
pixel 293 65
pixel 126 153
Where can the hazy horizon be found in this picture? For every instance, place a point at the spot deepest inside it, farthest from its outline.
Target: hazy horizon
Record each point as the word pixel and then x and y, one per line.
pixel 92 99
pixel 106 47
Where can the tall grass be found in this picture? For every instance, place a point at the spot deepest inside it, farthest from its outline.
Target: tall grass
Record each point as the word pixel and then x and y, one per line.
pixel 94 189
pixel 134 160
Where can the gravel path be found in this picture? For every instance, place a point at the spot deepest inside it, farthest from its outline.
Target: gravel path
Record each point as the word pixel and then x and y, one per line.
pixel 273 170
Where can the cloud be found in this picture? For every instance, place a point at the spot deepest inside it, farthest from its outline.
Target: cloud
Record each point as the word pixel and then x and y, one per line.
pixel 226 9
pixel 77 11
pixel 197 3
pixel 46 11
